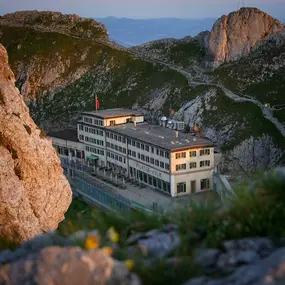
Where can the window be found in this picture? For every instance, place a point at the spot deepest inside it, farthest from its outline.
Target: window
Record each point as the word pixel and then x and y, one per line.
pixel 142 146
pixel 112 122
pixel 129 152
pixel 152 149
pixel 193 153
pixel 147 148
pixel 157 151
pixel 156 162
pixel 116 157
pixel 205 163
pixel 204 152
pixel 162 164
pixel 108 144
pixel 120 149
pixel 124 140
pixel 138 145
pixel 133 143
pixel 152 160
pixel 181 187
pixel 147 159
pixel 142 157
pixel 81 137
pixel 180 166
pixel 133 153
pixel 205 184
pixel 139 156
pixel 120 159
pixel 86 129
pixel 193 165
pixel 161 153
pixel 124 160
pixel 87 120
pixel 166 166
pixel 80 127
pixel 180 155
pixel 111 136
pixel 115 137
pixel 167 154
pixel 119 138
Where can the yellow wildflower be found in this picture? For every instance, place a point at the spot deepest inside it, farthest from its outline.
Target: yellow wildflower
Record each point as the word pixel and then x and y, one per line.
pixel 130 264
pixel 92 241
pixel 108 250
pixel 113 235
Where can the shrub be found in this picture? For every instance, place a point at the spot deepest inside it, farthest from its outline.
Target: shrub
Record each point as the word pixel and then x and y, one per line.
pixel 14 154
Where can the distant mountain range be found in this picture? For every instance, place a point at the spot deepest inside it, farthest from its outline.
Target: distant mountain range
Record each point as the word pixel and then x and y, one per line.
pixel 132 32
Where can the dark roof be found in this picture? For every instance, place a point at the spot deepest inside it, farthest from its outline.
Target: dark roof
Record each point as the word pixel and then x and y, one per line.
pixel 113 113
pixel 161 136
pixel 70 135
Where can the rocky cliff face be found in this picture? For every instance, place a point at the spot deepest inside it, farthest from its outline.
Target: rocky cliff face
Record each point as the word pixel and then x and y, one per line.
pixel 235 35
pixel 34 192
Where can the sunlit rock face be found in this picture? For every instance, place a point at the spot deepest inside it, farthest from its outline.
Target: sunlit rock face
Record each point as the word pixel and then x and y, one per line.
pixel 235 35
pixel 34 192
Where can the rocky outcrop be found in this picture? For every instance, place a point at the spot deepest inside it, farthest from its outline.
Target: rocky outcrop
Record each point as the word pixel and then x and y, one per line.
pixel 69 265
pixel 47 21
pixel 235 35
pixel 34 192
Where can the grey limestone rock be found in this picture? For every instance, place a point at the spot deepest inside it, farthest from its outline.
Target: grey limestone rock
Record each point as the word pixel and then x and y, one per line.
pixel 67 265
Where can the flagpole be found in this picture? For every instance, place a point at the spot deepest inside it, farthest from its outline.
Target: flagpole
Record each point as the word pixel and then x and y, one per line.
pixel 96 102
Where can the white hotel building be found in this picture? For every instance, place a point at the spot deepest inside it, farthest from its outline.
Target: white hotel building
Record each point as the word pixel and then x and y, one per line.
pixel 161 158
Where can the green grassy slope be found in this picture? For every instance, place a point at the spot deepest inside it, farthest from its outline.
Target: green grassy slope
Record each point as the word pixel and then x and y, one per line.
pixel 183 53
pixel 260 75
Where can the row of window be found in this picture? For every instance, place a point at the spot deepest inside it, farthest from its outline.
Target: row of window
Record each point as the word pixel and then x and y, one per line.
pixel 204 185
pixel 150 180
pixel 148 148
pixel 116 137
pixel 91 130
pixel 91 140
pixel 95 150
pixel 138 145
pixel 93 121
pixel 116 157
pixel 148 159
pixel 117 148
pixel 192 153
pixel 203 163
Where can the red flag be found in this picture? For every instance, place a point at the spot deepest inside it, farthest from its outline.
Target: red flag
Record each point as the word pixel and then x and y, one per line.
pixel 97 103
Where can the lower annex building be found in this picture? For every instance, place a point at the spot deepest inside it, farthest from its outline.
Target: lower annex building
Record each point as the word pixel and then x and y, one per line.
pixel 164 159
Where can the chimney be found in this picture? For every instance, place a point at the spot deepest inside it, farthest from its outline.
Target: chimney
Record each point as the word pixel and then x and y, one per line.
pixel 135 124
pixel 176 134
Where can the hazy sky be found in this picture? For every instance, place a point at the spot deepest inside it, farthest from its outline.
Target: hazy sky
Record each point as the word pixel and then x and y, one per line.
pixel 143 8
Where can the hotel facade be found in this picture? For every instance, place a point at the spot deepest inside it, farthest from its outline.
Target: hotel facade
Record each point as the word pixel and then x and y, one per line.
pixel 160 157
